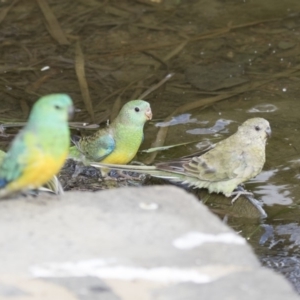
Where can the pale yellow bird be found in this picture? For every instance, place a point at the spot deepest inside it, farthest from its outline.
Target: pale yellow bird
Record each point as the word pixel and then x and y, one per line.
pixel 222 169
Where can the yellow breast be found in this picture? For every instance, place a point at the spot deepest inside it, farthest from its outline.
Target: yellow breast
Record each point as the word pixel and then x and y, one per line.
pixel 39 169
pixel 119 157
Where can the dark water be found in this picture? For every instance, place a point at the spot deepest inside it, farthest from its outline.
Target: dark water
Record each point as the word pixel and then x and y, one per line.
pixel 248 48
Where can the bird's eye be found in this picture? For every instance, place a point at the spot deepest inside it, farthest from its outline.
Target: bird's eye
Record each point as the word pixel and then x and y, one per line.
pixel 57 107
pixel 257 128
pixel 136 109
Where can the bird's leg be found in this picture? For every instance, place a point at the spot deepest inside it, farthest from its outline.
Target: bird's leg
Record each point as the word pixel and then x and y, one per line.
pixel 108 174
pixel 124 175
pixel 121 175
pixel 239 192
pixel 78 169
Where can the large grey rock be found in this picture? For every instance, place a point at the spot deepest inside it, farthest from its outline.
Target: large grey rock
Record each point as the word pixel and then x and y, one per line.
pixel 129 243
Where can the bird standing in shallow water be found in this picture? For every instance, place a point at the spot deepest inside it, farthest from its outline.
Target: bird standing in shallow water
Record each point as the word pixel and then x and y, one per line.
pixel 118 143
pixel 39 150
pixel 231 162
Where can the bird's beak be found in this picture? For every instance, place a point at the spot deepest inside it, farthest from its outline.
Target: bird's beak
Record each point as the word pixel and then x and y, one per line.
pixel 269 132
pixel 71 110
pixel 148 114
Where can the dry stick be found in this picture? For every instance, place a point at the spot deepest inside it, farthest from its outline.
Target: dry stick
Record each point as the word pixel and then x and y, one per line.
pixel 138 89
pixel 36 85
pixel 174 52
pixel 24 107
pixel 75 125
pixel 79 68
pixel 116 108
pixel 159 60
pixel 92 3
pixel 121 91
pixel 156 86
pixel 256 23
pixel 99 105
pixel 214 33
pixel 117 105
pixel 170 55
pixel 162 133
pixel 140 86
pixel 204 36
pixel 53 25
pixel 5 10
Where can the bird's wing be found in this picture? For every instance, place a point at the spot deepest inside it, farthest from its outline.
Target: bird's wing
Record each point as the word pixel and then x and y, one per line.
pixel 219 166
pixel 15 161
pixel 212 166
pixel 96 148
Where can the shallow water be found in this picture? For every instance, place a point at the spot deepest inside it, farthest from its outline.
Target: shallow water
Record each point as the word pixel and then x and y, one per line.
pixel 249 48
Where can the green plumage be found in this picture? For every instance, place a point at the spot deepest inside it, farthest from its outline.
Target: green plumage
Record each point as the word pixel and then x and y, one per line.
pixel 119 142
pixel 40 148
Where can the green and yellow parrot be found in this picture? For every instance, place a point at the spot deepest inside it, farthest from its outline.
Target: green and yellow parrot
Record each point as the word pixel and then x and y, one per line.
pixel 119 142
pixel 231 162
pixel 39 150
pixel 52 186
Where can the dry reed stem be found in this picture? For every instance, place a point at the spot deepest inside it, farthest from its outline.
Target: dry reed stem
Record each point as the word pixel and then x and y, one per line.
pixel 53 25
pixel 80 72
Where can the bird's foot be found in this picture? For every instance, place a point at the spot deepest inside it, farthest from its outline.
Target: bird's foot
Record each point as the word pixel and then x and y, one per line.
pixel 237 194
pixel 109 178
pixel 78 170
pixel 127 176
pixel 121 175
pixel 241 191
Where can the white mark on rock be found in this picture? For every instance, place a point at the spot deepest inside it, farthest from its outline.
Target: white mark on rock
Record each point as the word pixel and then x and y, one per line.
pixel 107 270
pixel 148 206
pixel 194 239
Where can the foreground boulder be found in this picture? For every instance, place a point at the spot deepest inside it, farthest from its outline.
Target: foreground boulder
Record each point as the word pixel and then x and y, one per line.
pixel 130 243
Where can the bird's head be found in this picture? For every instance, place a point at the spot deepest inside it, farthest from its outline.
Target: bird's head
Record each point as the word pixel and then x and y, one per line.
pixel 135 112
pixel 58 107
pixel 256 128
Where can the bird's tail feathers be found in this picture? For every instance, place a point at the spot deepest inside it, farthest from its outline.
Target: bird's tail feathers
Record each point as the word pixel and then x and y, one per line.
pixel 54 186
pixel 150 170
pixel 132 168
